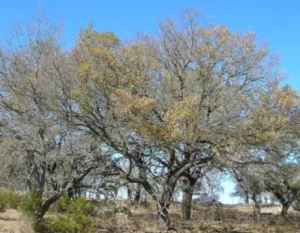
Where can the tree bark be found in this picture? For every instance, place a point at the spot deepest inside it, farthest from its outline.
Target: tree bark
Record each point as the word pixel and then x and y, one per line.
pixel 45 207
pixel 257 207
pixel 247 201
pixel 163 204
pixel 186 206
pixel 116 190
pixel 285 207
pixel 163 221
pixel 257 212
pixel 137 195
pixel 129 193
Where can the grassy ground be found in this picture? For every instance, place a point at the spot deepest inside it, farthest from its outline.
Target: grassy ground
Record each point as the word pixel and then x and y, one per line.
pixel 208 219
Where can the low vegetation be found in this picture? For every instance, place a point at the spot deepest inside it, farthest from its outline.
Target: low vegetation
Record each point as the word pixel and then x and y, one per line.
pixel 95 216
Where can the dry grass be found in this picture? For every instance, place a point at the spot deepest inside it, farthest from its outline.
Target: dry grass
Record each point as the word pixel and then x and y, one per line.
pixel 11 221
pixel 206 219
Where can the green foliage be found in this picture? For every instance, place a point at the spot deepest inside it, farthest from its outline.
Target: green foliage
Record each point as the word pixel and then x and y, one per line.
pixel 76 218
pixel 14 199
pixel 72 223
pixel 3 200
pixel 41 226
pixel 81 206
pixel 10 199
pixel 31 204
pixel 62 205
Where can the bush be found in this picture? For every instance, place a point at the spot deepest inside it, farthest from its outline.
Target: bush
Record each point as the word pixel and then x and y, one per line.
pixel 14 199
pixel 31 204
pixel 81 206
pixel 3 200
pixel 10 199
pixel 77 217
pixel 62 205
pixel 72 223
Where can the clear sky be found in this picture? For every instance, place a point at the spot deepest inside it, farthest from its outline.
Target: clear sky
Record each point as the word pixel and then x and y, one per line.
pixel 276 21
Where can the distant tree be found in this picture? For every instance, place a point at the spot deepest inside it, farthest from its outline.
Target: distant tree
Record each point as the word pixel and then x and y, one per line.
pixel 283 182
pixel 250 184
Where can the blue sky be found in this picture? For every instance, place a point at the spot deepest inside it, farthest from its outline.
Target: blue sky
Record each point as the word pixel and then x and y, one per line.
pixel 275 21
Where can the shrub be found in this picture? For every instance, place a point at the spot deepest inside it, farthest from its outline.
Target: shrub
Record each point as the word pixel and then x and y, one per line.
pixel 77 217
pixel 31 204
pixel 62 205
pixel 72 223
pixel 81 206
pixel 10 199
pixel 14 199
pixel 3 200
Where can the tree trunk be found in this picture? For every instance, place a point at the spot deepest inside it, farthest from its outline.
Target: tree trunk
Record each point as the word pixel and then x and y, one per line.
pixel 247 201
pixel 98 193
pixel 163 221
pixel 257 211
pixel 285 207
pixel 137 194
pixel 45 207
pixel 186 205
pixel 163 204
pixel 257 207
pixel 29 185
pixel 129 193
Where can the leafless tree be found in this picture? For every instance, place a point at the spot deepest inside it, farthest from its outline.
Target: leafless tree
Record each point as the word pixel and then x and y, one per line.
pixel 40 145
